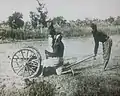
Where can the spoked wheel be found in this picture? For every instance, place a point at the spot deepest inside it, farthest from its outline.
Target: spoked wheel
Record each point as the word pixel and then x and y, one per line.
pixel 26 62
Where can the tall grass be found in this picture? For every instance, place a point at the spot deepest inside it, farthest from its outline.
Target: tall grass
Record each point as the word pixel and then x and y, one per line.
pixel 68 31
pixel 86 30
pixel 42 88
pixel 98 86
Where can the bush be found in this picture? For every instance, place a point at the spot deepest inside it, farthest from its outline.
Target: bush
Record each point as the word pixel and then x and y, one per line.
pixel 42 88
pixel 98 86
pixel 68 31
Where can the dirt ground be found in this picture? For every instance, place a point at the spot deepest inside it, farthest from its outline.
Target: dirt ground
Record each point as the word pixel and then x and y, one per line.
pixel 89 78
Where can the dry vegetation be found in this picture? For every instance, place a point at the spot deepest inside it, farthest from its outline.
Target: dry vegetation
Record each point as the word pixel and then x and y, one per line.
pixel 89 79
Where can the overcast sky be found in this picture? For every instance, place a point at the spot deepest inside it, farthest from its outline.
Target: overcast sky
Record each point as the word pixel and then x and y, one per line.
pixel 70 9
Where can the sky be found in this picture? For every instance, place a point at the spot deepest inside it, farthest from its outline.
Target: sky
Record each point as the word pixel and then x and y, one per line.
pixel 69 9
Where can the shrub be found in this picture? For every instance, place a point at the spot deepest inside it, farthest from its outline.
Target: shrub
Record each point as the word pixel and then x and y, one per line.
pixel 42 88
pixel 98 86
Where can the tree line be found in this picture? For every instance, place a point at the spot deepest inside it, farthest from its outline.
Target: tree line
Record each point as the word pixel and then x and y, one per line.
pixel 17 28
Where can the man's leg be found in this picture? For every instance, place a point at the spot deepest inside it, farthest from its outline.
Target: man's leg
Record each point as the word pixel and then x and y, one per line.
pixel 107 51
pixel 59 67
pixel 43 67
pixel 42 71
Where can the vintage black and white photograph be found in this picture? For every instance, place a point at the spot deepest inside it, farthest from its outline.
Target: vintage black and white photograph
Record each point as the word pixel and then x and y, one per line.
pixel 60 48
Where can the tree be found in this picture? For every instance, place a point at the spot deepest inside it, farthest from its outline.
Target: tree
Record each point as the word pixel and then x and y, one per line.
pixel 117 21
pixel 39 18
pixel 110 20
pixel 78 22
pixel 59 20
pixel 34 19
pixel 15 21
pixel 27 26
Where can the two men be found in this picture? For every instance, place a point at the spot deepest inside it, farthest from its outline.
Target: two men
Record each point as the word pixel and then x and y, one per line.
pixel 58 49
pixel 99 36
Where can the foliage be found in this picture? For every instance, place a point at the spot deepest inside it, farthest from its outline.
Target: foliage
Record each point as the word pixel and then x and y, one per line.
pixel 39 18
pixel 59 20
pixel 98 86
pixel 15 21
pixel 110 19
pixel 34 19
pixel 37 27
pixel 117 21
pixel 41 88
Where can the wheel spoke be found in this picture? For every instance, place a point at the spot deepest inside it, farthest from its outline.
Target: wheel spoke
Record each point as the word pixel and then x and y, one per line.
pixel 18 66
pixel 22 54
pixel 20 69
pixel 32 65
pixel 31 69
pixel 29 59
pixel 33 61
pixel 17 57
pixel 24 71
pixel 16 61
pixel 28 70
pixel 33 54
pixel 27 53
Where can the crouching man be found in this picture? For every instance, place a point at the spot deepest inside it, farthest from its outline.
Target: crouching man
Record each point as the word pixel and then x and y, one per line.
pixel 55 58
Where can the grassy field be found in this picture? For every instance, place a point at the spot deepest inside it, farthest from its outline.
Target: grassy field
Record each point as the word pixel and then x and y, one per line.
pixel 89 78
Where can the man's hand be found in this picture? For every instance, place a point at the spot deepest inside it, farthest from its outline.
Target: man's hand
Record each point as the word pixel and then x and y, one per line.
pixel 46 52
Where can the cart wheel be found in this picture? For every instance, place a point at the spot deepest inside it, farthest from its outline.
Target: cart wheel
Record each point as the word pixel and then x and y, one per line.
pixel 26 62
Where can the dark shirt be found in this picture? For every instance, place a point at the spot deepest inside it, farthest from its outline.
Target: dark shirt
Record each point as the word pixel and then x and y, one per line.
pixel 99 36
pixel 58 50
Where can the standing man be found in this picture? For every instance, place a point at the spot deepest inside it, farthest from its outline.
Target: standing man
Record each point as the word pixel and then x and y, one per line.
pixel 52 33
pixel 58 48
pixel 51 36
pixel 99 36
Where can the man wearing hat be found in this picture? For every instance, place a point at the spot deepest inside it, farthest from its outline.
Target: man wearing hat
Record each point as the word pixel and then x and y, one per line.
pixel 52 34
pixel 54 59
pixel 99 36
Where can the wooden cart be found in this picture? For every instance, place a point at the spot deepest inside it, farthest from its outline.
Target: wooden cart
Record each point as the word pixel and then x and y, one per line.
pixel 26 62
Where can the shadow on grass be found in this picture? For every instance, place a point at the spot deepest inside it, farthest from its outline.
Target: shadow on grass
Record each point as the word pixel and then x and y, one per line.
pixel 49 71
pixel 114 67
pixel 76 71
pixel 88 67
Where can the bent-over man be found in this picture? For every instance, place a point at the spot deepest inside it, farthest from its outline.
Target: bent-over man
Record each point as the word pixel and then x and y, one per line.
pixel 99 36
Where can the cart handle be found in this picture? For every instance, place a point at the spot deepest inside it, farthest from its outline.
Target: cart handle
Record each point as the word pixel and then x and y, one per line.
pixel 81 61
